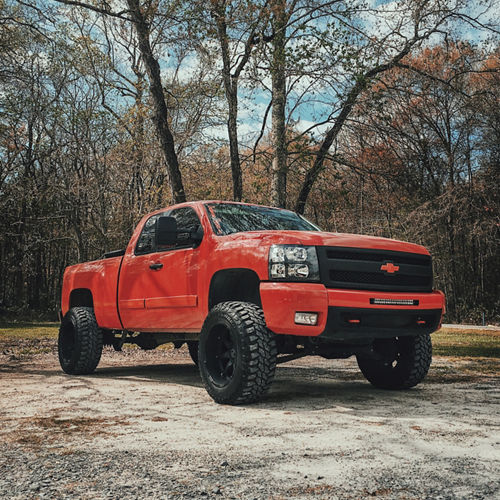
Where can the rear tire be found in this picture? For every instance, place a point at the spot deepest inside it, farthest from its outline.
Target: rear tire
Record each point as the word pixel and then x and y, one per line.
pixel 237 353
pixel 193 351
pixel 402 362
pixel 80 341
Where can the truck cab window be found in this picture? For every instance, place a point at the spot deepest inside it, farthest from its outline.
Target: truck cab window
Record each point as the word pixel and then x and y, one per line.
pixel 146 241
pixel 186 219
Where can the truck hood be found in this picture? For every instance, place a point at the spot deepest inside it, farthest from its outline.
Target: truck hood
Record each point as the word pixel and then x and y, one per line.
pixel 321 238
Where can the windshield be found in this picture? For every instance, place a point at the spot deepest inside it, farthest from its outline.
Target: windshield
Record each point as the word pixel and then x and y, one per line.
pixel 227 218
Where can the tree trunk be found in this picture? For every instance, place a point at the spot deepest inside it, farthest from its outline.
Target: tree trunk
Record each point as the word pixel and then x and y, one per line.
pixel 232 130
pixel 231 91
pixel 137 185
pixel 318 165
pixel 278 129
pixel 160 107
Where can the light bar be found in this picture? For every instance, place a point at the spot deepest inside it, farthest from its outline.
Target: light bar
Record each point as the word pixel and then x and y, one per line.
pixel 394 302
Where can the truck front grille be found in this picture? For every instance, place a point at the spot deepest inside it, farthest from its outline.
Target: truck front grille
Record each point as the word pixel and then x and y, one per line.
pixel 367 269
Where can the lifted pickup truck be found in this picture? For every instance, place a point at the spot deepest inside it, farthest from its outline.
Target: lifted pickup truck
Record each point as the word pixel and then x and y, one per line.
pixel 247 287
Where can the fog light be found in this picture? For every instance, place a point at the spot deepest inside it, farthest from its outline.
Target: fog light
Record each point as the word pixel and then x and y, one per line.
pixel 306 318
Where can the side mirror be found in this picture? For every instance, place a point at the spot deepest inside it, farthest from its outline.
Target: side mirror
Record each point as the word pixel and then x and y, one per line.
pixel 197 235
pixel 166 231
pixel 187 236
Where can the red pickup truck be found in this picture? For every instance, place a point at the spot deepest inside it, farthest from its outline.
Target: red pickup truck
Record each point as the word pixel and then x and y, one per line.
pixel 247 287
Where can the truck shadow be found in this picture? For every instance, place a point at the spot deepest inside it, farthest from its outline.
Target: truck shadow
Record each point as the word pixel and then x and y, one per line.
pixel 294 389
pixel 297 389
pixel 175 373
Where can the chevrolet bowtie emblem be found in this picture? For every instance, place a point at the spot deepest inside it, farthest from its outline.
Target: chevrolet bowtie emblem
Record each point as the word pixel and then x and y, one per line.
pixel 389 267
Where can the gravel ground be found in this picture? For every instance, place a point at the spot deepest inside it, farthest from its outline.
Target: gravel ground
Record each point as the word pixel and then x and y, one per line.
pixel 143 427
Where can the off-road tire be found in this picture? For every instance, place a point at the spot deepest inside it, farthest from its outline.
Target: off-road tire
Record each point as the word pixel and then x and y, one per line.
pixel 193 350
pixel 80 341
pixel 254 346
pixel 403 362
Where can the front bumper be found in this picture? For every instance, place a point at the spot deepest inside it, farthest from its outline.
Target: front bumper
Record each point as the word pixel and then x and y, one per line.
pixel 348 314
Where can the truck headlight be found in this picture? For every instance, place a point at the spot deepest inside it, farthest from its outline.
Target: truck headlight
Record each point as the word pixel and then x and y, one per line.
pixel 293 263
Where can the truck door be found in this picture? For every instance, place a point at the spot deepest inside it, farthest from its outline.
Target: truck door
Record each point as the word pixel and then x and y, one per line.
pixel 157 290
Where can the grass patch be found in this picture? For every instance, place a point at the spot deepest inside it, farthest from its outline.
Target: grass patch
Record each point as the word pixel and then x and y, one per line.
pixel 23 340
pixel 453 370
pixel 29 330
pixel 466 343
pixel 451 342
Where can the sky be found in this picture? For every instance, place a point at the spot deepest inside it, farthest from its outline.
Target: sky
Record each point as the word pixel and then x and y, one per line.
pixel 378 20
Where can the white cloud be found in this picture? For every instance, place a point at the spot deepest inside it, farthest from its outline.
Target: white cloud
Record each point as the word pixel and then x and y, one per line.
pixel 316 128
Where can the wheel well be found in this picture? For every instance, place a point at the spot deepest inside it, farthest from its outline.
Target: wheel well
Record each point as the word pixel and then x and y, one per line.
pixel 234 284
pixel 81 297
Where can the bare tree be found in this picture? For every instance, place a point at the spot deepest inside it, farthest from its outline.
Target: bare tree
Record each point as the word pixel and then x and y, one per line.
pixel 139 15
pixel 412 23
pixel 279 22
pixel 252 21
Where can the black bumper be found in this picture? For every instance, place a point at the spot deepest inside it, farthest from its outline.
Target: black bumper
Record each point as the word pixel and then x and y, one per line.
pixel 347 324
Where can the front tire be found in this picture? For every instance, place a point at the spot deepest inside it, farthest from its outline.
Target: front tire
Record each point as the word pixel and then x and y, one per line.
pixel 80 341
pixel 237 353
pixel 400 363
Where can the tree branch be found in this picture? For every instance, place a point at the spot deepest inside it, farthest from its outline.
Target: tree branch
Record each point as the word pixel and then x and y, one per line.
pixel 101 10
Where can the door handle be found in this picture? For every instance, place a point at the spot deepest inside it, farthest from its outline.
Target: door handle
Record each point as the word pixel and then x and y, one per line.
pixel 155 266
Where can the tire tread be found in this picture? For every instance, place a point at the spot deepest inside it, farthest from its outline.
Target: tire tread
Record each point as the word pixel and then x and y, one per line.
pixel 412 373
pixel 259 353
pixel 88 342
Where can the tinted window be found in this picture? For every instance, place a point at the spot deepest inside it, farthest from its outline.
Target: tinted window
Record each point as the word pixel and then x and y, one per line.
pixel 146 241
pixel 227 218
pixel 186 219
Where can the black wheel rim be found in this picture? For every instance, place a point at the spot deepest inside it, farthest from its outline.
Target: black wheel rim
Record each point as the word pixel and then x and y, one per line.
pixel 391 351
pixel 221 355
pixel 68 340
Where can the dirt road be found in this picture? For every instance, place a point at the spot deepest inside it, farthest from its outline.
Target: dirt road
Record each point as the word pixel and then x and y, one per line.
pixel 144 427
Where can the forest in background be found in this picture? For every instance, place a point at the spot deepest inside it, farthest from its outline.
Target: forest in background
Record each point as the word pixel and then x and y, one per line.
pixel 369 117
